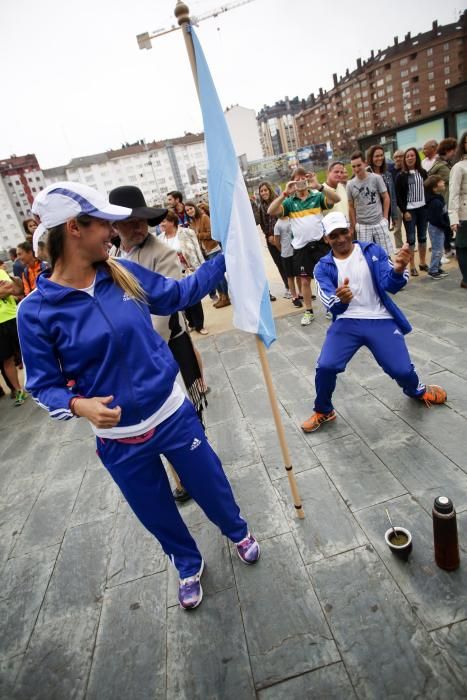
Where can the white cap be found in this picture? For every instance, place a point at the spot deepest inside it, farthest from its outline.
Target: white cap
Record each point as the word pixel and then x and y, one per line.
pixel 62 201
pixel 335 219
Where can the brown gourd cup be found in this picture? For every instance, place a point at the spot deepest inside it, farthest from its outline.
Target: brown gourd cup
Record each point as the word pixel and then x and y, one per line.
pixel 400 546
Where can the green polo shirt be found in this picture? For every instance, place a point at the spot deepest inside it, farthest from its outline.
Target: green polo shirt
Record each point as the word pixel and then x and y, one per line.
pixel 305 217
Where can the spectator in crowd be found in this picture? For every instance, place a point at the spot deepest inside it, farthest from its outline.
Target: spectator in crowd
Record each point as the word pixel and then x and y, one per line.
pixel 29 226
pixel 283 241
pixel 458 205
pixel 356 281
pixel 368 205
pixel 377 164
pixel 9 343
pixel 335 179
pixel 32 266
pixel 267 222
pixel 304 200
pixel 429 151
pixel 175 202
pixel 438 222
pixel 185 243
pixel 18 267
pixel 204 207
pixel 395 168
pixel 411 201
pixel 100 310
pixel 201 225
pixel 442 167
pixel 42 253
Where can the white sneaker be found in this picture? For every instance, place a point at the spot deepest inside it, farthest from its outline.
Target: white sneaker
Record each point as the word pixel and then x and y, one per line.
pixel 444 260
pixel 329 315
pixel 307 318
pixel 287 294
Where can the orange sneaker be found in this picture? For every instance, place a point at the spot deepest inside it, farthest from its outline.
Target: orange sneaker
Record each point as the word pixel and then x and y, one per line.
pixel 433 394
pixel 316 420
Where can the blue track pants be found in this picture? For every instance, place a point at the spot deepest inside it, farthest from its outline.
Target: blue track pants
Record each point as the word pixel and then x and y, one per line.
pixel 347 335
pixel 140 475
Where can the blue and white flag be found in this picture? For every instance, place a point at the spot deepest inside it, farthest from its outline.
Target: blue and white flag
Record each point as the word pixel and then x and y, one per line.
pixel 232 220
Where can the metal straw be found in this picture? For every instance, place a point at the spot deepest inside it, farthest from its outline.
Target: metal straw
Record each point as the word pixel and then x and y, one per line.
pixel 390 522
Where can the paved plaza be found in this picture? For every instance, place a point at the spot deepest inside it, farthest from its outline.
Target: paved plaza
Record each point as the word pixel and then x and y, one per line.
pixel 88 605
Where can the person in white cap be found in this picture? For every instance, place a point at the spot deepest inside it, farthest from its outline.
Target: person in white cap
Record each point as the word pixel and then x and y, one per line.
pixel 353 282
pixel 89 320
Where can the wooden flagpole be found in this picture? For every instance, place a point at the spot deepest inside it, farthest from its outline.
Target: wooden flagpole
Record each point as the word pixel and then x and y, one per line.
pixel 182 14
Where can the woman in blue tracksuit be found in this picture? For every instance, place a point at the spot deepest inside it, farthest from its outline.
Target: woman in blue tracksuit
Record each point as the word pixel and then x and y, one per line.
pixel 353 282
pixel 89 320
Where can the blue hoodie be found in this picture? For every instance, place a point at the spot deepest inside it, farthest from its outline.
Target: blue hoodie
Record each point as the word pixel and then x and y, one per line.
pixel 385 279
pixel 106 343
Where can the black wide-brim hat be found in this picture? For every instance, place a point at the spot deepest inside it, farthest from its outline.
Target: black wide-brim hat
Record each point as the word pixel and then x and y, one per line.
pixel 132 197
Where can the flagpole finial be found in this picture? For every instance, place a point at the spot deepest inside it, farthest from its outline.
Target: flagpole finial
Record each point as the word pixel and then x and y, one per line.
pixel 182 12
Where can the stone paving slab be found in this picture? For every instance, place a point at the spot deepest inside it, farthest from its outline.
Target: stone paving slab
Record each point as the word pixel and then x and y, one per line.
pixel 452 641
pixel 207 654
pixel 285 628
pixel 424 471
pixel 24 583
pixel 360 477
pixel 234 443
pixel 89 602
pixel 328 527
pixel 366 611
pixel 330 682
pixel 438 597
pixel 129 658
pixel 135 552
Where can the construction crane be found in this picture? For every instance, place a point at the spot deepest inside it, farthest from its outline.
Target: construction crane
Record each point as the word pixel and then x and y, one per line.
pixel 144 40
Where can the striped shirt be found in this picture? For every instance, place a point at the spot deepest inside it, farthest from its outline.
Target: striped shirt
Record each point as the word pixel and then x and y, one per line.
pixel 416 191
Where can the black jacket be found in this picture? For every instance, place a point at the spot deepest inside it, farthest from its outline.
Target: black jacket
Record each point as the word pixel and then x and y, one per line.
pixel 437 212
pixel 402 188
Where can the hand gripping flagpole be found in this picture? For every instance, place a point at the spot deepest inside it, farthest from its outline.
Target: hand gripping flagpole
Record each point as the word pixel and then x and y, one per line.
pixel 183 17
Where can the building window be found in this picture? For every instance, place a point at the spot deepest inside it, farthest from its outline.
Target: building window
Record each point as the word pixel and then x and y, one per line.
pixel 388 78
pixel 38 179
pixel 447 81
pixel 380 82
pixel 417 112
pixel 388 88
pixel 433 109
pixel 429 64
pixel 446 46
pixel 381 93
pixel 391 110
pixel 431 86
pixel 432 98
pixel 431 75
pixel 404 61
pixel 414 68
pixel 404 73
pixel 446 59
pixel 446 70
pixel 391 99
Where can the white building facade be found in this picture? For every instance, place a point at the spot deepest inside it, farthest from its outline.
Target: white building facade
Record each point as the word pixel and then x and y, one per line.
pixel 156 168
pixel 243 128
pixel 11 231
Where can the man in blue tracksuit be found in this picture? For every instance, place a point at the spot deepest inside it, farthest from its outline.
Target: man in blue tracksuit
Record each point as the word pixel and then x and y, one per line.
pixel 353 282
pixel 89 320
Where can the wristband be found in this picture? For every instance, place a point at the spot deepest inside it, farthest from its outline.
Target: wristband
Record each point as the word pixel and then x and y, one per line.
pixel 71 405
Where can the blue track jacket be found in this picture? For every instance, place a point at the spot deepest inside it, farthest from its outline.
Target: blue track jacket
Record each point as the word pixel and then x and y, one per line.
pixel 384 277
pixel 106 343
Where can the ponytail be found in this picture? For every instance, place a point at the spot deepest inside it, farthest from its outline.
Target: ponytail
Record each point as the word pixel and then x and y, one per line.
pixel 121 276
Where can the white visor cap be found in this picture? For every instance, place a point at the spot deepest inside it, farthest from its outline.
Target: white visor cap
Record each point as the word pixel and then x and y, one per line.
pixel 62 201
